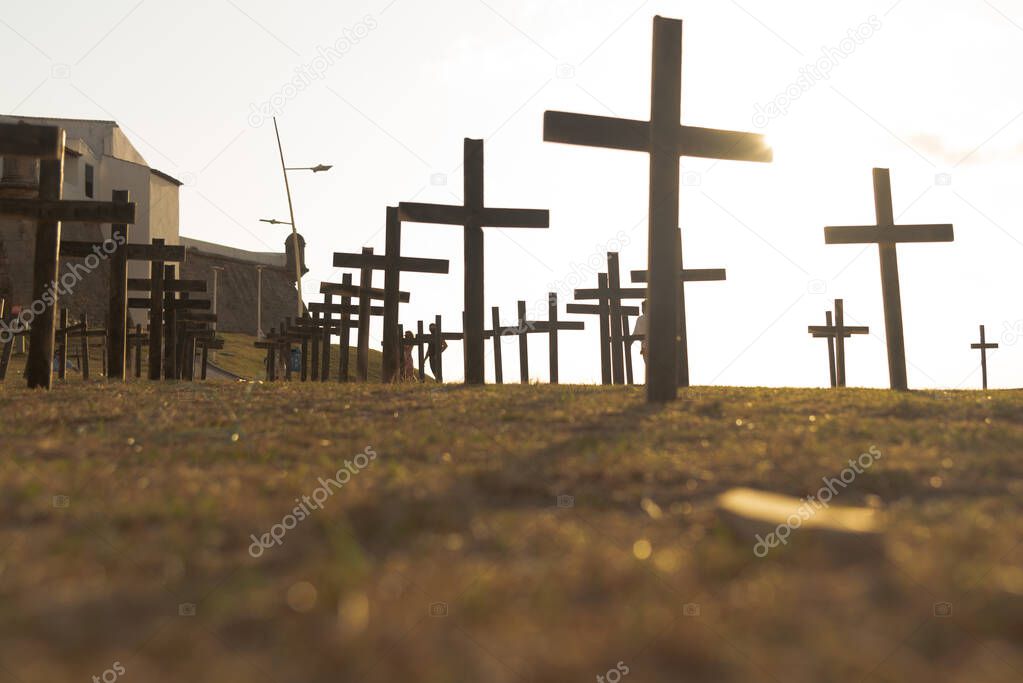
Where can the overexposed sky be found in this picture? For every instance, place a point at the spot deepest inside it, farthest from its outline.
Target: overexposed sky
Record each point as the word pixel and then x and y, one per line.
pixel 924 87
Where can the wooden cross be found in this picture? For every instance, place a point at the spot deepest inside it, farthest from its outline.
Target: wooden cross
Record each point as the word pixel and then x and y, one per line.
pixel 162 286
pixel 473 216
pixel 688 275
pixel 393 264
pixel 117 309
pixel 612 295
pixel 665 140
pixel 207 344
pixel 836 335
pixel 47 143
pixel 887 235
pixel 602 309
pixel 983 347
pixel 366 294
pixel 552 326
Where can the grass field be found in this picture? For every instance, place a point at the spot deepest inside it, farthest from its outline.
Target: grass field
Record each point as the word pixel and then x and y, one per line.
pixel 128 515
pixel 239 356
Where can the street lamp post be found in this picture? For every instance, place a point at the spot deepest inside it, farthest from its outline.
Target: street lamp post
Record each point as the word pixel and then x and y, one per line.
pixel 217 270
pixel 291 210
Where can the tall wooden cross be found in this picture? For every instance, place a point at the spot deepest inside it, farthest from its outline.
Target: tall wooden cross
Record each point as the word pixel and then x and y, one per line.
pixel 473 216
pixel 983 347
pixel 665 140
pixel 393 264
pixel 46 143
pixel 836 334
pixel 887 235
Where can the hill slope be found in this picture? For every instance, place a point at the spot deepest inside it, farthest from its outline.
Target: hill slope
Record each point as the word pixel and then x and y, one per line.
pixel 447 558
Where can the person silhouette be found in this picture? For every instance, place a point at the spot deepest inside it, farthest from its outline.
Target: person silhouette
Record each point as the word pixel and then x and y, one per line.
pixel 408 372
pixel 640 330
pixel 432 353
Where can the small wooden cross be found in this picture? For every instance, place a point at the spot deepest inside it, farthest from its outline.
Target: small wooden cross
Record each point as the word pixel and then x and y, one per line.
pixel 887 235
pixel 473 216
pixel 366 294
pixel 983 347
pixel 836 335
pixel 552 326
pixel 665 140
pixel 612 296
pixel 602 309
pixel 393 264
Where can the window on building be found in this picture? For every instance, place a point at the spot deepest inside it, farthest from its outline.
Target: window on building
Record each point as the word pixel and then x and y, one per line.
pixel 90 185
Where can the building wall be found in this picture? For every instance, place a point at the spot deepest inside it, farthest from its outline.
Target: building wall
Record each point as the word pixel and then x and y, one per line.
pixel 238 290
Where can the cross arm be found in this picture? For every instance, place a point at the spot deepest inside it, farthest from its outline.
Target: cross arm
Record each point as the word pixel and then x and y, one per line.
pixel 688 275
pixel 593 309
pixel 434 214
pixel 68 210
pixel 822 332
pixel 381 262
pixel 165 253
pixel 547 326
pixel 355 290
pixel 144 284
pixel 888 234
pixel 515 218
pixel 623 293
pixel 728 145
pixel 596 131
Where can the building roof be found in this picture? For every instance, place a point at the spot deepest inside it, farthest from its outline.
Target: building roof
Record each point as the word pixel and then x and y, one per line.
pixel 165 176
pixel 262 258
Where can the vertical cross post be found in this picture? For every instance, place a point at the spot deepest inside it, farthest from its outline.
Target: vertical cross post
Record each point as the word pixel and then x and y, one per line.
pixel 117 326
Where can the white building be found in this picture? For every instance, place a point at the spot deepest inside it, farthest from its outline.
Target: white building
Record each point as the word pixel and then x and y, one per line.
pixel 98 159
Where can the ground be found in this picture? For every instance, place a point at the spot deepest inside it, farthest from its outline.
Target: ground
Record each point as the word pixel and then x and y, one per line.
pixel 129 514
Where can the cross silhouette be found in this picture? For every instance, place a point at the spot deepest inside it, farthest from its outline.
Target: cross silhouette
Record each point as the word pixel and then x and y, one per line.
pixel 473 216
pixel 836 334
pixel 887 235
pixel 983 347
pixel 666 141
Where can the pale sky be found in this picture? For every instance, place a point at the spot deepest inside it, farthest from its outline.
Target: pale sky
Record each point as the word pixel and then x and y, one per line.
pixel 929 92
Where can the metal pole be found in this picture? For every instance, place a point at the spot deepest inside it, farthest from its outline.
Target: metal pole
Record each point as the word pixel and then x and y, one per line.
pixel 294 230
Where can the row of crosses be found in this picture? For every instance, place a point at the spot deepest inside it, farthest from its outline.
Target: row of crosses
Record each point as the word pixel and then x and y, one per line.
pixel 662 137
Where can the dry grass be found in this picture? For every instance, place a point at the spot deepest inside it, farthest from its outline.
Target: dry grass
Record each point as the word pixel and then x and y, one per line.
pixel 166 484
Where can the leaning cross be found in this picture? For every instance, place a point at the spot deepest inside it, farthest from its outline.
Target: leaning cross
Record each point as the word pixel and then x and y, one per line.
pixel 836 334
pixel 47 143
pixel 886 234
pixel 393 264
pixel 983 347
pixel 665 140
pixel 473 216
